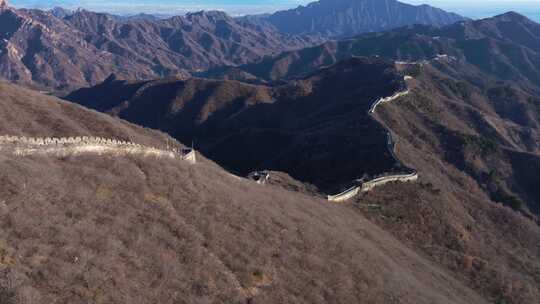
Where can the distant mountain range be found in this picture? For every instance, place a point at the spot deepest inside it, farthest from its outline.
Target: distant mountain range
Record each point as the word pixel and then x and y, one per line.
pixel 59 50
pixel 341 18
pixel 507 46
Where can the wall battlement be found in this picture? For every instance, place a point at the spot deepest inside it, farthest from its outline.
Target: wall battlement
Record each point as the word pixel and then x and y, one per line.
pixel 345 195
pixel 368 186
pixel 23 146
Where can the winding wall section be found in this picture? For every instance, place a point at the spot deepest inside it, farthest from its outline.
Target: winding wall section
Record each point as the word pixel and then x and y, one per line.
pixel 365 186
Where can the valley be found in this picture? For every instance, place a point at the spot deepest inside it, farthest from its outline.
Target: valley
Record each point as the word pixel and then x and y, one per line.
pixel 304 128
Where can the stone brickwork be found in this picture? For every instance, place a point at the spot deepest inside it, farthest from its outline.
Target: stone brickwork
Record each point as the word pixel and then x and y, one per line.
pixel 345 195
pixel 371 184
pixel 368 186
pixel 23 146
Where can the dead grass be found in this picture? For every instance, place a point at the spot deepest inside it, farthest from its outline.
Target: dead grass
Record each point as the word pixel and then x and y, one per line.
pixel 127 230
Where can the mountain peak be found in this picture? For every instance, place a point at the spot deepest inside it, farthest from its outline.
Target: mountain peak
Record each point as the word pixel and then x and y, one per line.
pixel 208 14
pixel 513 17
pixel 60 12
pixel 344 18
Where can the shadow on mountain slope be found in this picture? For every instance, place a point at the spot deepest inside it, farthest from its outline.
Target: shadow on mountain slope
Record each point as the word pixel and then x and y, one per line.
pixel 316 129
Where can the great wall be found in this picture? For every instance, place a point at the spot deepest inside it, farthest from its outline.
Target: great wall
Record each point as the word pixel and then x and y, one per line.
pixel 438 57
pixel 61 147
pixel 366 186
pixel 385 100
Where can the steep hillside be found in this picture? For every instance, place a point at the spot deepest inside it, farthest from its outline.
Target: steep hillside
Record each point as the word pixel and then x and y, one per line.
pixel 506 46
pixel 28 113
pixel 109 229
pixel 307 128
pixel 488 129
pixel 41 50
pixel 339 18
pixel 475 143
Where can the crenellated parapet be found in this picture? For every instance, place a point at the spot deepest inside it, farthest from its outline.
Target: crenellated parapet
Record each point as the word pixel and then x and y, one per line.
pixel 345 195
pixel 371 184
pixel 22 146
pixel 377 182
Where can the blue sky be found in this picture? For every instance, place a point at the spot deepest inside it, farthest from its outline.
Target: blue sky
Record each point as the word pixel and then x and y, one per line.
pixel 470 8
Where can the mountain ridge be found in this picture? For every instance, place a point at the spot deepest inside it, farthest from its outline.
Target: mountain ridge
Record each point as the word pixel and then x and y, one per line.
pixel 83 48
pixel 506 49
pixel 59 51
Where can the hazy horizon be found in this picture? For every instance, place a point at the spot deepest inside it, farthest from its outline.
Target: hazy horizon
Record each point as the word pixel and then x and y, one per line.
pixel 471 9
